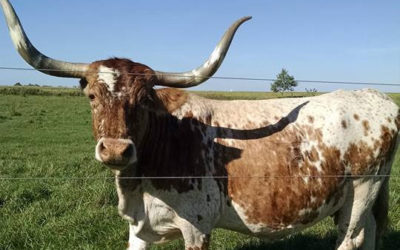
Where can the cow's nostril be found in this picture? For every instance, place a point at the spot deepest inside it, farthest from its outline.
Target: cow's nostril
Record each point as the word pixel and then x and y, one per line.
pixel 101 146
pixel 128 151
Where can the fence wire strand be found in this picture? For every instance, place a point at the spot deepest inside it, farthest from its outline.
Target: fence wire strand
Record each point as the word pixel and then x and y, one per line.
pixel 3 178
pixel 227 77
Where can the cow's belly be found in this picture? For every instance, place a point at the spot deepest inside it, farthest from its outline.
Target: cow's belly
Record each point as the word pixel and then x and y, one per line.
pixel 236 217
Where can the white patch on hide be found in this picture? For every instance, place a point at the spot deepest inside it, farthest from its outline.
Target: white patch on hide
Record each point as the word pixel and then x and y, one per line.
pixel 109 77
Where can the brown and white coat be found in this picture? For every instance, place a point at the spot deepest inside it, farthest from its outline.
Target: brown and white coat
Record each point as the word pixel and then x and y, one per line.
pixel 185 164
pixel 289 163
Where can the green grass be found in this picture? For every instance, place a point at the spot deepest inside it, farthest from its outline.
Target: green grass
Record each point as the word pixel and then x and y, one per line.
pixel 51 136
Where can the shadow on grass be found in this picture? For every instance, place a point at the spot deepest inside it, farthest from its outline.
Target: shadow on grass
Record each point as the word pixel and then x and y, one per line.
pixel 391 240
pixel 298 242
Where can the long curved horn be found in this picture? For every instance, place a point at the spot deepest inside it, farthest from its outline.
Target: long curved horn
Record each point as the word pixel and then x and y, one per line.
pixel 205 71
pixel 32 56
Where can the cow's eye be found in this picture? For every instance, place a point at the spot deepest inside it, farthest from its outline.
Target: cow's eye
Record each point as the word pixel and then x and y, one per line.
pixel 91 97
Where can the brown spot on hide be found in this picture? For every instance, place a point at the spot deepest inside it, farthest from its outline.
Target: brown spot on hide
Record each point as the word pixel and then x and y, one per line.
pixel 312 155
pixel 366 127
pixel 188 114
pixel 344 124
pixel 356 117
pixel 387 141
pixel 361 157
pixel 310 119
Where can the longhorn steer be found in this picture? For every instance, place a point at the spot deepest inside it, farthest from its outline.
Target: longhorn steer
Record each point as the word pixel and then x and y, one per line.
pixel 267 168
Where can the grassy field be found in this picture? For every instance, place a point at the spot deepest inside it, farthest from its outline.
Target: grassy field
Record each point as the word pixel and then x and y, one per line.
pixel 47 133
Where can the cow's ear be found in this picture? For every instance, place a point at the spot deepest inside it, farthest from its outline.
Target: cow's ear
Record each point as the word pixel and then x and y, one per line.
pixel 83 83
pixel 150 78
pixel 84 86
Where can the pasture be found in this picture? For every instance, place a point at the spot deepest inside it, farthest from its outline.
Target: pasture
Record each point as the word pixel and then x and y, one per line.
pixel 60 197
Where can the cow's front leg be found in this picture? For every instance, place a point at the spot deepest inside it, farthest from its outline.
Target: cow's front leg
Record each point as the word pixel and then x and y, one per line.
pixel 136 243
pixel 195 239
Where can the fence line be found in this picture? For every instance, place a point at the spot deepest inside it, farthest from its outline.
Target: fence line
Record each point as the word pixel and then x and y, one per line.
pixel 214 177
pixel 228 77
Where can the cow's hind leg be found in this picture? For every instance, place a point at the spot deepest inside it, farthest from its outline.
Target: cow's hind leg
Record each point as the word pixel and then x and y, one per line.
pixel 195 239
pixel 356 221
pixel 136 243
pixel 381 211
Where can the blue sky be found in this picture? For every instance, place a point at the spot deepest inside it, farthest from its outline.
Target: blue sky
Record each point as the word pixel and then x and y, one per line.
pixel 316 40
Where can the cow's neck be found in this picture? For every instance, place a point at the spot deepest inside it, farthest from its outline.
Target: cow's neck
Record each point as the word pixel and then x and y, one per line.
pixel 166 137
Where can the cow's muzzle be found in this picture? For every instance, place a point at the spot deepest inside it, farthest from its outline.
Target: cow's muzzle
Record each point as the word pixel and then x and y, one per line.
pixel 117 153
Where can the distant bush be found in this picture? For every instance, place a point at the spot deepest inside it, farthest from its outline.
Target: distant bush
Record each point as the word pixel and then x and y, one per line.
pixel 312 91
pixel 18 84
pixel 33 85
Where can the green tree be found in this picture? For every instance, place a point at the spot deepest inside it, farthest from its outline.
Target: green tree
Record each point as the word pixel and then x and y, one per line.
pixel 284 82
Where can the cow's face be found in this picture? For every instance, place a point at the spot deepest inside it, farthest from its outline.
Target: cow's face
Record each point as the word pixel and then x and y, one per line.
pixel 119 90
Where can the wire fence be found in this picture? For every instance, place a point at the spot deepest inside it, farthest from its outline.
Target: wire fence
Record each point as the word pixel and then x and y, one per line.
pixel 226 77
pixel 4 178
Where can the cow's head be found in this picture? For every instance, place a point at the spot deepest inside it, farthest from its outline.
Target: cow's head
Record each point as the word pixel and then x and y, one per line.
pixel 120 91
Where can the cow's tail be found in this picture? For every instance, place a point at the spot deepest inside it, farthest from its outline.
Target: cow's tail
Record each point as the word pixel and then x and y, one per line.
pixel 381 206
